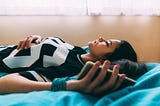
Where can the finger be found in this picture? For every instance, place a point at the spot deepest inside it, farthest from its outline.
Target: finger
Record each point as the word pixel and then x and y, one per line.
pixel 28 41
pixel 38 41
pixel 19 45
pixel 36 37
pixel 101 76
pixel 92 71
pixel 114 75
pixel 108 85
pixel 23 44
pixel 119 82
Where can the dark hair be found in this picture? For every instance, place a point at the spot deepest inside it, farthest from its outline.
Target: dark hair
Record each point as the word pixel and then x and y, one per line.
pixel 124 51
pixel 131 69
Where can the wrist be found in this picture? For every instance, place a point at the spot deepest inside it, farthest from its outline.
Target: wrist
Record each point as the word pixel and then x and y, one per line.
pixel 59 84
pixel 72 85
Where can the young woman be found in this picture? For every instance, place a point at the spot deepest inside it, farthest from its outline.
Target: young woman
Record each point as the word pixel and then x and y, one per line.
pixel 48 63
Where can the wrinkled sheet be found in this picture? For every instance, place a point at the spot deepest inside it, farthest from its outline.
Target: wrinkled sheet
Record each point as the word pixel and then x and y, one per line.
pixel 146 92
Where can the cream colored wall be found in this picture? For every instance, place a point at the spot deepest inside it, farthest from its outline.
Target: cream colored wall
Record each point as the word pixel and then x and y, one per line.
pixel 141 31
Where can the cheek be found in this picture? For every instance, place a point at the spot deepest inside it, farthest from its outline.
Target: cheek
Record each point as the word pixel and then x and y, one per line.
pixel 97 51
pixel 92 49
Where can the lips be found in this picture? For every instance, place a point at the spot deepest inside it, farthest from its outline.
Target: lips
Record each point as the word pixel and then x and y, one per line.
pixel 93 42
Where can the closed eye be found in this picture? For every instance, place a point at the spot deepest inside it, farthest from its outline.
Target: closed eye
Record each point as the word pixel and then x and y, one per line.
pixel 110 42
pixel 107 43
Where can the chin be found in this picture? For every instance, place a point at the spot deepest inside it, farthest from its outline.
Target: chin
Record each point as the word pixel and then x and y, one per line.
pixel 89 43
pixel 89 46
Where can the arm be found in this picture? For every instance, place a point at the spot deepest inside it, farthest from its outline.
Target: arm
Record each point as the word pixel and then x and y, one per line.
pixel 26 43
pixel 14 83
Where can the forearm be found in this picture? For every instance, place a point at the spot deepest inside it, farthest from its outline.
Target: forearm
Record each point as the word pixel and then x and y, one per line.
pixel 15 83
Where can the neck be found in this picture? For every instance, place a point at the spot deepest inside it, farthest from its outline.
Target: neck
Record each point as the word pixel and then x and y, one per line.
pixel 88 57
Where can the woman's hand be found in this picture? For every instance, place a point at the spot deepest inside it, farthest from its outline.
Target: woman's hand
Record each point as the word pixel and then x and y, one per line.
pixel 95 86
pixel 26 43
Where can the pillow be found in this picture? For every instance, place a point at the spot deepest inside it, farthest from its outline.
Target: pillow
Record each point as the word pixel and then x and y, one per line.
pixel 132 69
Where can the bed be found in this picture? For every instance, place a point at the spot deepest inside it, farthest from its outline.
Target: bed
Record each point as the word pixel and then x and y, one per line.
pixel 146 92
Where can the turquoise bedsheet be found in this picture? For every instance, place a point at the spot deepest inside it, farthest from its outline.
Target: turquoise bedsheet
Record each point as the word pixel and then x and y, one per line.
pixel 146 92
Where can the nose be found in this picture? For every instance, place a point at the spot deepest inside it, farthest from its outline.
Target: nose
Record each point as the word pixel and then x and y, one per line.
pixel 101 39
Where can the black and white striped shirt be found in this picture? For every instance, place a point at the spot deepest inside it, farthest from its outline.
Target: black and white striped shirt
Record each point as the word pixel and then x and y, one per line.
pixel 50 59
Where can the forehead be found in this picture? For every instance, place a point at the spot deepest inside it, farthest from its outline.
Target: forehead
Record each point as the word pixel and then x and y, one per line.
pixel 115 42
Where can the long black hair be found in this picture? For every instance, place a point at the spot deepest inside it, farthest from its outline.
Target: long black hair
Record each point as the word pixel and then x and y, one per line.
pixel 126 57
pixel 124 51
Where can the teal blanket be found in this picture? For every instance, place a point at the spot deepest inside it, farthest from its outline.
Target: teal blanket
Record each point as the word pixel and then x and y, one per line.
pixel 146 92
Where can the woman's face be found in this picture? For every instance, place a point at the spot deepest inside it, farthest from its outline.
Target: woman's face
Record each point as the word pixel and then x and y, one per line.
pixel 100 46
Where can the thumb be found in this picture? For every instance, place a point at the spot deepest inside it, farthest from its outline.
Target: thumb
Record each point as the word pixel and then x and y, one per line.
pixel 37 41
